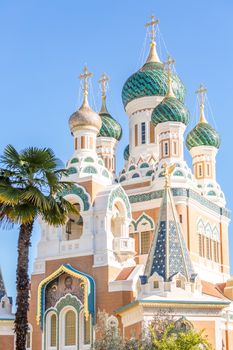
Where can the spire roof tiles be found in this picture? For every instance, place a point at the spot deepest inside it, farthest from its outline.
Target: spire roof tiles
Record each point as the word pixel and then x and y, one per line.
pixel 169 254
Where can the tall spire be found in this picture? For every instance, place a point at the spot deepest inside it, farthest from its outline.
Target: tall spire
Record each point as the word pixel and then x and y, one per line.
pixel 85 76
pixel 2 285
pixel 201 92
pixel 169 63
pixel 168 254
pixel 103 86
pixel 153 56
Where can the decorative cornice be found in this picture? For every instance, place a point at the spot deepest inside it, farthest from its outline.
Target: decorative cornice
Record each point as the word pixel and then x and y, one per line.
pixel 174 303
pixel 178 192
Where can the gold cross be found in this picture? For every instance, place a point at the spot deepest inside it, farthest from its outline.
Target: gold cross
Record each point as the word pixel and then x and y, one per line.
pixel 152 24
pixel 103 83
pixel 85 77
pixel 169 63
pixel 201 92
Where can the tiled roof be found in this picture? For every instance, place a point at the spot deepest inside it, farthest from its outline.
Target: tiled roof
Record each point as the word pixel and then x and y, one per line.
pixel 221 287
pixel 213 289
pixel 151 80
pixel 124 274
pixel 170 109
pixel 169 254
pixel 203 134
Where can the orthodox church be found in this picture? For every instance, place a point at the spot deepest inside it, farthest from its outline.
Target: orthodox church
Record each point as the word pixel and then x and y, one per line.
pixel 152 240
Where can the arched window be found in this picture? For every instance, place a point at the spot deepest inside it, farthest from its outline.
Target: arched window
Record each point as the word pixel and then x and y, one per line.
pixel 53 330
pixel 216 251
pixel 145 242
pixel 87 330
pixel 28 340
pixel 70 328
pixel 74 226
pixel 201 245
pixel 208 248
pixel 178 283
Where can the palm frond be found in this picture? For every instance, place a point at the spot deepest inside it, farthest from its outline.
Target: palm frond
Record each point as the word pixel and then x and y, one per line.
pixel 9 195
pixel 39 159
pixel 10 157
pixel 22 214
pixel 5 220
pixel 35 197
pixel 59 211
pixel 29 183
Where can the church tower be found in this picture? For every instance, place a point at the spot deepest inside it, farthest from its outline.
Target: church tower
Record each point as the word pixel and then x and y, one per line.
pixel 85 123
pixel 203 142
pixel 141 93
pixel 110 133
pixel 170 118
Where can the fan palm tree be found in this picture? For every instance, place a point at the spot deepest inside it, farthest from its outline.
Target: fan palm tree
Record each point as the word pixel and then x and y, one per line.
pixel 30 186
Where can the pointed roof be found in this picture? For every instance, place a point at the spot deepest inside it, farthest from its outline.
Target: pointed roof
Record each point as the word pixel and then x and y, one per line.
pixel 2 285
pixel 168 254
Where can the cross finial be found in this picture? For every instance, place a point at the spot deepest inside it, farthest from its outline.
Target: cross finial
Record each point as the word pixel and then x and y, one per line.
pixel 85 76
pixel 152 24
pixel 104 83
pixel 153 56
pixel 201 91
pixel 170 61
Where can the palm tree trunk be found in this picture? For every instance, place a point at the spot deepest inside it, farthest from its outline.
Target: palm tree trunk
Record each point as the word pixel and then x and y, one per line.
pixel 22 283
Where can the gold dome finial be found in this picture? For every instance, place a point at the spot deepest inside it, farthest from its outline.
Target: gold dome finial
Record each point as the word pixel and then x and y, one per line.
pixel 201 92
pixel 85 76
pixel 169 63
pixel 103 86
pixel 153 56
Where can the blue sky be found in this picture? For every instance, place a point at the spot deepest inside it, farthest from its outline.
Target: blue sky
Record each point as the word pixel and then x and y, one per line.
pixel 45 44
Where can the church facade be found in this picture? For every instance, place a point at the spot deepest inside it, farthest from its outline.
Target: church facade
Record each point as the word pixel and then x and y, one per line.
pixel 151 240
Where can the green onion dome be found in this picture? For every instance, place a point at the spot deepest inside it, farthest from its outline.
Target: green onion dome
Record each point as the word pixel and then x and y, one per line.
pixel 203 134
pixel 170 110
pixel 151 80
pixel 110 127
pixel 126 153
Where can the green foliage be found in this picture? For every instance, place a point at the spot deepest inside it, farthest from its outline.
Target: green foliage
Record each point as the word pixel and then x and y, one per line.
pixel 175 340
pixel 29 184
pixel 108 335
pixel 163 333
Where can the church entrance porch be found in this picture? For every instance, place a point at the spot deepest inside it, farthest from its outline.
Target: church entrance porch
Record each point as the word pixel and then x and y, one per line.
pixel 66 309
